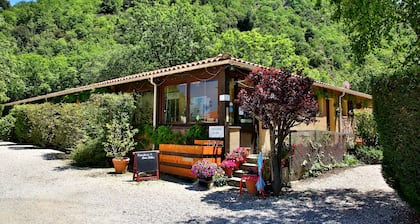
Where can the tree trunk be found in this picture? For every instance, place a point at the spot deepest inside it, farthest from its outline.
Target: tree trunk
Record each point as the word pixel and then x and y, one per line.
pixel 276 175
pixel 276 156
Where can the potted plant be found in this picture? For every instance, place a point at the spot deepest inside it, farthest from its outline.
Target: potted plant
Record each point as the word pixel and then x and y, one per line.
pixel 119 140
pixel 204 171
pixel 238 155
pixel 228 166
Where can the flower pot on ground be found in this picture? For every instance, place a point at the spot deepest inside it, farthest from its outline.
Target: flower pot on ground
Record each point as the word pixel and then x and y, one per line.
pixel 206 182
pixel 228 171
pixel 251 185
pixel 204 171
pixel 238 155
pixel 119 140
pixel 120 165
pixel 228 166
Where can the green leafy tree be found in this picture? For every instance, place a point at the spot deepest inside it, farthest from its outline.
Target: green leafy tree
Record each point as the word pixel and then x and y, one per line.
pixel 268 50
pixel 170 35
pixel 4 4
pixel 368 22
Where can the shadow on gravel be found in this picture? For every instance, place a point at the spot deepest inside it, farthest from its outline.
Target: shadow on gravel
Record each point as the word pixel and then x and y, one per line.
pixel 7 143
pixel 176 179
pixel 23 147
pixel 55 156
pixel 341 206
pixel 70 167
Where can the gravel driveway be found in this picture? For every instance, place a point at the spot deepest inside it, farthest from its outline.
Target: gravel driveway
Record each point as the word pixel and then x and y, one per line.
pixel 36 186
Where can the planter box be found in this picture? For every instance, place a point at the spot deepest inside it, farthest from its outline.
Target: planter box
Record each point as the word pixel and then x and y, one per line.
pixel 178 159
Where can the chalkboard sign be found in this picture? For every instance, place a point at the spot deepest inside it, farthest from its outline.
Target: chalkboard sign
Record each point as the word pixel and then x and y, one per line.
pixel 146 165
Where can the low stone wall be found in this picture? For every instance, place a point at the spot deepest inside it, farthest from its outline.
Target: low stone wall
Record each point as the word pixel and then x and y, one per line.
pixel 309 147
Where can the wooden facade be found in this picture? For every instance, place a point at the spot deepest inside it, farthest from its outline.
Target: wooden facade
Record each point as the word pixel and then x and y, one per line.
pixel 181 85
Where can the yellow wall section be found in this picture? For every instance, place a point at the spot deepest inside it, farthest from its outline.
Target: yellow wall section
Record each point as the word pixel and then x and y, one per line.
pixel 332 114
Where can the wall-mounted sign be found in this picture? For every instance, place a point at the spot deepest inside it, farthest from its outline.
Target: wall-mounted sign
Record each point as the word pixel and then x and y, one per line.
pixel 224 98
pixel 216 131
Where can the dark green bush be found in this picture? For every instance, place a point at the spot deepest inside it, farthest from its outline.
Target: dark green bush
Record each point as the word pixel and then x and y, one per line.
pixel 7 126
pixel 397 114
pixel 66 126
pixel 42 118
pixel 163 135
pixel 89 152
pixel 74 122
pixel 114 104
pixel 195 132
pixel 365 128
pixel 22 124
pixel 369 154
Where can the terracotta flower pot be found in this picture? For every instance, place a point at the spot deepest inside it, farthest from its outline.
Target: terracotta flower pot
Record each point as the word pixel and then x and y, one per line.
pixel 206 182
pixel 285 163
pixel 228 171
pixel 251 186
pixel 120 165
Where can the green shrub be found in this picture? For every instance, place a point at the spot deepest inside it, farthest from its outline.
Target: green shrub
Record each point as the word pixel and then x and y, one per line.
pixel 90 152
pixel 396 109
pixel 119 137
pixel 366 128
pixel 22 124
pixel 7 126
pixel 42 118
pixel 369 154
pixel 114 104
pixel 65 125
pixel 195 132
pixel 163 135
pixel 350 160
pixel 74 122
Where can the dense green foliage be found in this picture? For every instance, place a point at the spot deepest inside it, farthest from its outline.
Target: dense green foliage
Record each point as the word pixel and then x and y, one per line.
pixel 368 154
pixel 374 24
pixel 163 135
pixel 369 23
pixel 89 152
pixel 50 45
pixel 7 125
pixel 59 126
pixel 119 136
pixel 78 127
pixel 365 128
pixel 396 110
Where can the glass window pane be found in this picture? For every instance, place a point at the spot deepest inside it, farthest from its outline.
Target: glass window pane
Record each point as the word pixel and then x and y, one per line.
pixel 203 101
pixel 175 104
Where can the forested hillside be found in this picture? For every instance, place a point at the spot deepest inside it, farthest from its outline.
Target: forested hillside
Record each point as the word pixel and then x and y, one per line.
pixel 52 45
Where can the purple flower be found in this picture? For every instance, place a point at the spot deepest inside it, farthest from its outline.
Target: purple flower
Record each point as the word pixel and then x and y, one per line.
pixel 204 169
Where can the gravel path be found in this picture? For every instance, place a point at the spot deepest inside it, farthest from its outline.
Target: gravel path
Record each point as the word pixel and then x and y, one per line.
pixel 36 186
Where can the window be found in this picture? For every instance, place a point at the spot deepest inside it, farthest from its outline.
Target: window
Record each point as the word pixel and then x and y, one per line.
pixel 175 103
pixel 203 101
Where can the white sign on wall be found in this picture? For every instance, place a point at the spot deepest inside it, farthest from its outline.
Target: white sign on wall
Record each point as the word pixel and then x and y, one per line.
pixel 216 131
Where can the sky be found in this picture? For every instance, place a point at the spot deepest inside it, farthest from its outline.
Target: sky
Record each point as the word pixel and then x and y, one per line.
pixel 13 2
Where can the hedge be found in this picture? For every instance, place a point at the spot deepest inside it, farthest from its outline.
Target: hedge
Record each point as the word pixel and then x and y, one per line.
pixel 396 109
pixel 78 127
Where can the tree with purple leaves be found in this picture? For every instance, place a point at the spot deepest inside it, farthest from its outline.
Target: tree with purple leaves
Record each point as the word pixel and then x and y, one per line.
pixel 279 100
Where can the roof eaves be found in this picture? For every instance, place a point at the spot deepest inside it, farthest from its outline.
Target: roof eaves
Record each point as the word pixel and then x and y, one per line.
pixel 221 59
pixel 216 61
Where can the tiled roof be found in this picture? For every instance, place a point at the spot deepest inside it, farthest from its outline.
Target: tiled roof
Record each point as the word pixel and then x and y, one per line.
pixel 221 59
